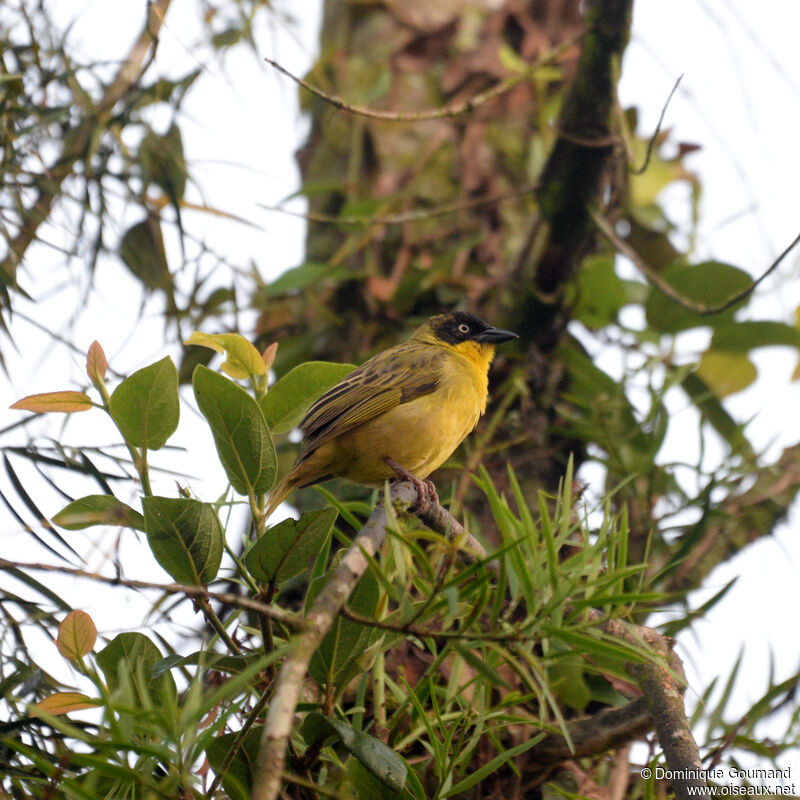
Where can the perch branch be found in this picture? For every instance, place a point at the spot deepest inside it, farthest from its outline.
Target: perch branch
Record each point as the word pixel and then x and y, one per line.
pixel 318 621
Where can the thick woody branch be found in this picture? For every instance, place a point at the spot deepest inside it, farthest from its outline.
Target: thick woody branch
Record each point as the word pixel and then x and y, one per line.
pixel 573 175
pixel 606 730
pixel 662 683
pixel 318 621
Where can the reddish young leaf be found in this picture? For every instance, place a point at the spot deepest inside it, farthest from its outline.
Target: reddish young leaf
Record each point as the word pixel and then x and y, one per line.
pixel 96 364
pixel 76 635
pixel 65 402
pixel 63 703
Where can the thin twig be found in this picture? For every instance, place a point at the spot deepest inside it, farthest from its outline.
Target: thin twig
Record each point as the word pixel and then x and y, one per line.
pixel 406 216
pixel 455 110
pixel 654 137
pixel 168 588
pixel 663 286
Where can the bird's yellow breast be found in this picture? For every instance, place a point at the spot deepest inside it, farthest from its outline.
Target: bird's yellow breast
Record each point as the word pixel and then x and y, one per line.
pixel 421 434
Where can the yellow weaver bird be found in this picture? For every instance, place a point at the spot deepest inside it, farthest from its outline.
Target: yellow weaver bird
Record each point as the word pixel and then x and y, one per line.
pixel 412 404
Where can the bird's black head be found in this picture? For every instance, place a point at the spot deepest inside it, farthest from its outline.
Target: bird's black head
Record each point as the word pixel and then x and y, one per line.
pixel 461 326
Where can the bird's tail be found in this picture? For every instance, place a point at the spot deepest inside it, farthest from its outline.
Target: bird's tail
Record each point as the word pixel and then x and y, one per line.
pixel 280 493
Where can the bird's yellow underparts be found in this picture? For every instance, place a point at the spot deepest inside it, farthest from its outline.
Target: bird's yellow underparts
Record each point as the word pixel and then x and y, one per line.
pixel 412 404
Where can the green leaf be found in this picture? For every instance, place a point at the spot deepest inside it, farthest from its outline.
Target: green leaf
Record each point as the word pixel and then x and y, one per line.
pixel 163 163
pixel 741 337
pixel 709 284
pixel 142 251
pixel 344 650
pixel 238 778
pixel 492 766
pixel 601 294
pixel 286 403
pixel 242 359
pixel 240 434
pixel 725 372
pixel 186 538
pixel 145 406
pixel 208 660
pixel 98 509
pixel 286 549
pixel 388 767
pixel 713 411
pixel 136 654
pixel 568 683
pixel 302 277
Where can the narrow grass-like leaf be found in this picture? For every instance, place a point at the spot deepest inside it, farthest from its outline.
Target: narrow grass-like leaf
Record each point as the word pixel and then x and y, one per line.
pixel 379 759
pixel 491 766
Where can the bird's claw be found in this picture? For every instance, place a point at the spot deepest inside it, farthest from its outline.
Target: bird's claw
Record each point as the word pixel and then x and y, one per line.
pixel 426 491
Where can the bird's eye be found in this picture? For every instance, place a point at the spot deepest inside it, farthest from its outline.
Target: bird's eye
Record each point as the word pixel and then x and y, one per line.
pixel 463 328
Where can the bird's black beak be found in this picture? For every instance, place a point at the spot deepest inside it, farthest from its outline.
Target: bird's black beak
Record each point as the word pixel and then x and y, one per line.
pixel 494 336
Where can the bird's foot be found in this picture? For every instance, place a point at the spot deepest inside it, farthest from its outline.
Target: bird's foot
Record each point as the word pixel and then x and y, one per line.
pixel 426 491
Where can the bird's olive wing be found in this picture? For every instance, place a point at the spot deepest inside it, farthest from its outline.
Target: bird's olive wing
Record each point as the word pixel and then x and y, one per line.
pixel 388 379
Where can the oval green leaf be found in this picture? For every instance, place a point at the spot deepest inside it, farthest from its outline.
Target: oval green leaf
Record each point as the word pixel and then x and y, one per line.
pixel 346 648
pixel 242 359
pixel 240 434
pixel 237 780
pixel 287 548
pixel 186 538
pixel 98 509
pixel 388 767
pixel 741 337
pixel 286 403
pixel 134 654
pixel 726 373
pixel 709 284
pixel 145 406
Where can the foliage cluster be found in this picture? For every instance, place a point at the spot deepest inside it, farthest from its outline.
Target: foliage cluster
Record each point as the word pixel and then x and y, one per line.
pixel 441 678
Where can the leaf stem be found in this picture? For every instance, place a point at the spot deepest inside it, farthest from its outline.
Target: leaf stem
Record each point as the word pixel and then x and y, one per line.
pixel 216 624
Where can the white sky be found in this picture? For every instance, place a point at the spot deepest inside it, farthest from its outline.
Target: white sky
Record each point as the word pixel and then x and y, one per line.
pixel 739 100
